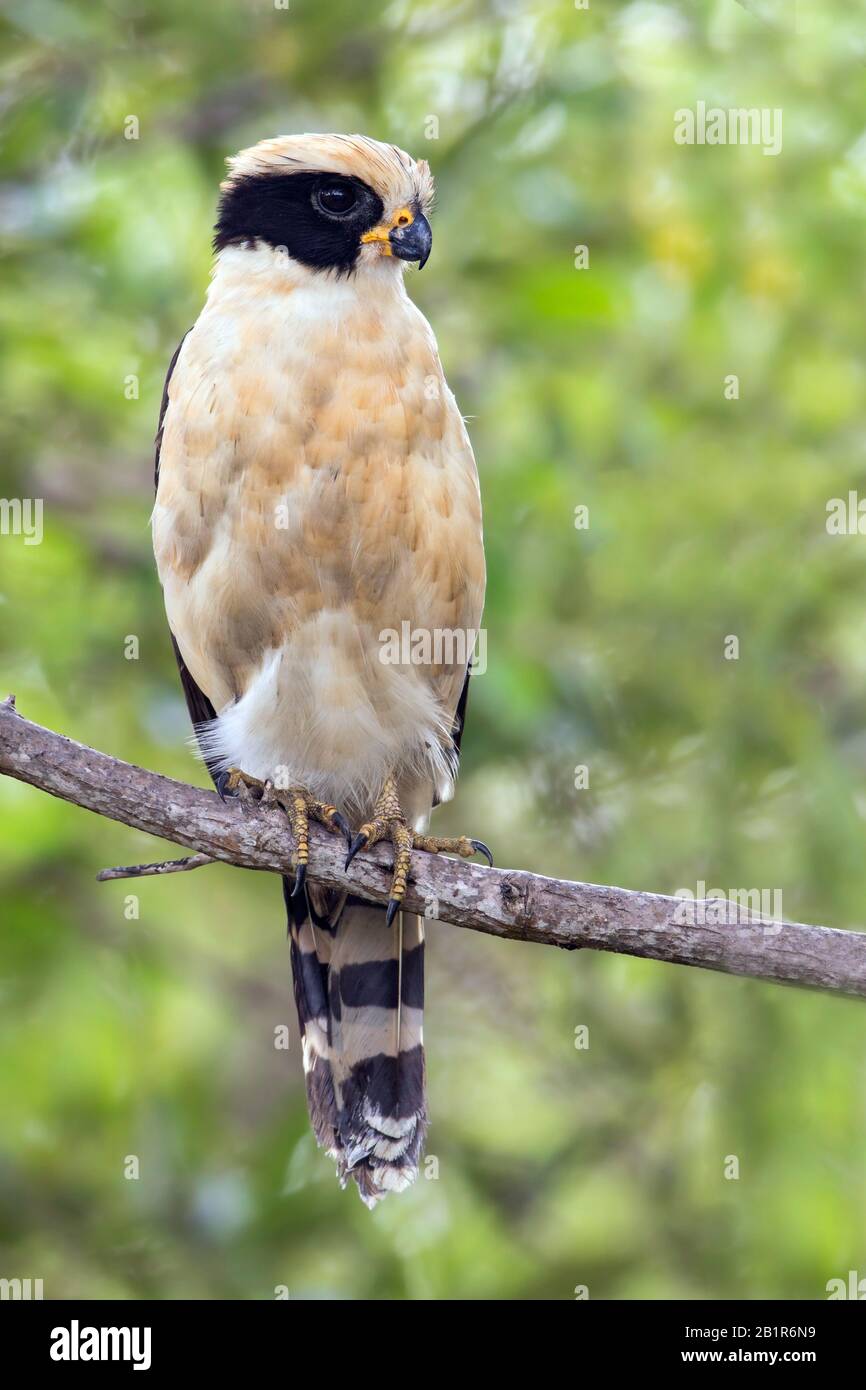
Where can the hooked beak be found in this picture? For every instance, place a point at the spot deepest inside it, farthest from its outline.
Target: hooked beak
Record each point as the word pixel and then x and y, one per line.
pixel 408 237
pixel 412 243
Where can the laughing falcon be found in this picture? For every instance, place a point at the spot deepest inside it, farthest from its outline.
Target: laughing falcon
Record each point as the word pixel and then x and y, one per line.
pixel 316 493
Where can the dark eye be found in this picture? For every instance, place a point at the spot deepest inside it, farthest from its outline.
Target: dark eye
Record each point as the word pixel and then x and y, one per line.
pixel 336 198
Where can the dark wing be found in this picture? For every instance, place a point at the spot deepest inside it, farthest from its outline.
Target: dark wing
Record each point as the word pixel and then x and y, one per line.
pixel 198 704
pixel 164 407
pixel 460 719
pixel 457 728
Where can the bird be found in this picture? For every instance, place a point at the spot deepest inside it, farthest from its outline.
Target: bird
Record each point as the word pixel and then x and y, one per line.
pixel 316 494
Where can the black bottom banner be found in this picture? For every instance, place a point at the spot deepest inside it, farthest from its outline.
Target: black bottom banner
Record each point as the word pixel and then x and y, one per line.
pixel 81 1339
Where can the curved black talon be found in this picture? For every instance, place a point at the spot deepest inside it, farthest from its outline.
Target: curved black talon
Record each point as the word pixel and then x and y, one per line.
pixel 300 880
pixel 394 906
pixel 480 848
pixel 359 842
pixel 343 825
pixel 222 782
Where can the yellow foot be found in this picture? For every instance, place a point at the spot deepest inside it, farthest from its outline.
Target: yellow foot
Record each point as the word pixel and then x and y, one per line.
pixel 299 805
pixel 389 823
pixel 239 784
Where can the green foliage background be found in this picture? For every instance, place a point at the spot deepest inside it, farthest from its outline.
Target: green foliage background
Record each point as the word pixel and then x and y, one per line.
pixel 603 387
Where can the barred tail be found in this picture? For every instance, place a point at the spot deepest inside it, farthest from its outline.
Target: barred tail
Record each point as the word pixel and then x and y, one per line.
pixel 310 933
pixel 359 989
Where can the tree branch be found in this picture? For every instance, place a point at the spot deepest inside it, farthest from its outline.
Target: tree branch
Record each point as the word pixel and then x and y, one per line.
pixel 508 903
pixel 165 866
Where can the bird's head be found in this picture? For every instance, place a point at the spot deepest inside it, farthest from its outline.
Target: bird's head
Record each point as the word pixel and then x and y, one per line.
pixel 336 203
